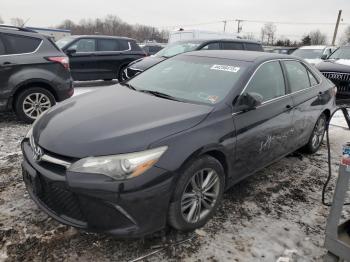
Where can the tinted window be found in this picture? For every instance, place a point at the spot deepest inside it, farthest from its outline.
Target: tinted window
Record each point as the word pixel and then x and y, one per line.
pixel 20 44
pixel 268 81
pixel 84 45
pixel 297 75
pixel 313 80
pixel 108 45
pixel 191 78
pixel 232 46
pixel 253 47
pixel 211 46
pixel 134 46
pixel 2 48
pixel 124 45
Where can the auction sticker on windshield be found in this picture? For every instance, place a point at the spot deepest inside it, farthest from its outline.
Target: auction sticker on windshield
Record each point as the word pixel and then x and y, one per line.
pixel 227 68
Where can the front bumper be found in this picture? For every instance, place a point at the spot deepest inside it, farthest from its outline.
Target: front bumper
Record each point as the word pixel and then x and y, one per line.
pixel 131 208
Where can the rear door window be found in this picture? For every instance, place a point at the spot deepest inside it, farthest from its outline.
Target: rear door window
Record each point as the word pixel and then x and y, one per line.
pixel 298 76
pixel 253 47
pixel 84 45
pixel 108 45
pixel 17 44
pixel 124 45
pixel 232 46
pixel 268 81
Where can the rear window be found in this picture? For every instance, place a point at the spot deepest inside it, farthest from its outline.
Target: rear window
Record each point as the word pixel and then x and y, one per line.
pixel 232 46
pixel 253 47
pixel 17 44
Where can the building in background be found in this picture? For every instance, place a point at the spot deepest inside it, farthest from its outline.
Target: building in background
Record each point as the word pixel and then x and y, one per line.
pixel 54 34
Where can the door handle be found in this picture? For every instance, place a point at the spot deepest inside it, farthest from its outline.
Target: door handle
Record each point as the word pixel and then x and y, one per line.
pixel 288 106
pixel 7 63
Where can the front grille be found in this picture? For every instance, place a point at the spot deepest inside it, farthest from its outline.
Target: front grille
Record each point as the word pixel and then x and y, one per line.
pixel 59 200
pixel 343 77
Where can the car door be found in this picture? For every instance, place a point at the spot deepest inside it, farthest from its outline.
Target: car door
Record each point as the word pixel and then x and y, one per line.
pixel 308 99
pixel 83 62
pixel 263 134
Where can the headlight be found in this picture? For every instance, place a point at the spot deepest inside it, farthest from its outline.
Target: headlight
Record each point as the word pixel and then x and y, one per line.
pixel 119 167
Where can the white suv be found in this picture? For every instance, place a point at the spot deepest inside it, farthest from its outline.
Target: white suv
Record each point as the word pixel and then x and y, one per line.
pixel 313 54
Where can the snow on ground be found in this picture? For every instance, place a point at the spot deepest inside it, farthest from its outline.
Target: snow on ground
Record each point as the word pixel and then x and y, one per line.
pixel 274 214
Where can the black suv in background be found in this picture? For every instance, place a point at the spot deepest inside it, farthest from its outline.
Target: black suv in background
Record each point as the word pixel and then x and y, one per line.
pixel 151 48
pixel 337 69
pixel 186 46
pixel 99 57
pixel 34 73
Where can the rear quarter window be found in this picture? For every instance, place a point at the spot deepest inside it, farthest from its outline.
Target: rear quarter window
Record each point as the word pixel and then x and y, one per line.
pixel 124 45
pixel 17 44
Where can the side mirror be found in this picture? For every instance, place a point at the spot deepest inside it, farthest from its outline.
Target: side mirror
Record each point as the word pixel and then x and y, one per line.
pixel 70 51
pixel 324 56
pixel 249 101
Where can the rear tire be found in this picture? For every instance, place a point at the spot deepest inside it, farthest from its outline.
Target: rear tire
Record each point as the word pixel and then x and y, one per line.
pixel 317 135
pixel 32 102
pixel 197 194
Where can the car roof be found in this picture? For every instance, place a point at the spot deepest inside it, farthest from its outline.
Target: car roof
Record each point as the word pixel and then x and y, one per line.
pixel 241 55
pixel 218 40
pixel 102 36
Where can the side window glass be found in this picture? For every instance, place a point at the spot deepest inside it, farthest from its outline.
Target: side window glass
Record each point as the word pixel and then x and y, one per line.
pixel 108 45
pixel 2 47
pixel 232 46
pixel 297 75
pixel 211 46
pixel 253 47
pixel 124 45
pixel 268 81
pixel 313 80
pixel 84 45
pixel 20 44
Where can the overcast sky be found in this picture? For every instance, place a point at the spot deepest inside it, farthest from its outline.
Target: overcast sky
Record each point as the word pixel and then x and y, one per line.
pixel 188 13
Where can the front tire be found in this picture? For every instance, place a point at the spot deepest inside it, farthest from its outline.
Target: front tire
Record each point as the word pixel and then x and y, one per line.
pixel 121 75
pixel 317 135
pixel 197 194
pixel 32 102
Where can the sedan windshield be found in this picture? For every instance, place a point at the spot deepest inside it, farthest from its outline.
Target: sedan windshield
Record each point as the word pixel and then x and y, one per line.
pixel 177 48
pixel 191 79
pixel 308 53
pixel 341 53
pixel 64 41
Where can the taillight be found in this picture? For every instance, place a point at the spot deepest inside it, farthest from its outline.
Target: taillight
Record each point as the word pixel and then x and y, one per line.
pixel 63 60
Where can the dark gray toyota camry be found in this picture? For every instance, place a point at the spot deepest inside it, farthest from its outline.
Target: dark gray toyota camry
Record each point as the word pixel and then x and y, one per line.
pixel 162 148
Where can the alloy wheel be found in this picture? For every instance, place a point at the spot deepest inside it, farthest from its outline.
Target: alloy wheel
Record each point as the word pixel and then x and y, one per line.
pixel 35 104
pixel 318 132
pixel 200 195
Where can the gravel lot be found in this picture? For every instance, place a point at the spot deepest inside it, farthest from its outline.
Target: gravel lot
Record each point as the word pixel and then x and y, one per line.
pixel 275 214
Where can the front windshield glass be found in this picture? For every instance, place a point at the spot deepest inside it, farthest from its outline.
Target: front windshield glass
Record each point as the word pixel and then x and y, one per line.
pixel 341 53
pixel 308 53
pixel 177 48
pixel 64 41
pixel 192 78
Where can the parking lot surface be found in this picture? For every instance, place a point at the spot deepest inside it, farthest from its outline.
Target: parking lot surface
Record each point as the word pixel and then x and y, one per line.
pixel 277 213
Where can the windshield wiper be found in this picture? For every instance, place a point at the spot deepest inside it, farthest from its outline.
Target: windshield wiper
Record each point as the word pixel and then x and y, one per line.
pixel 160 94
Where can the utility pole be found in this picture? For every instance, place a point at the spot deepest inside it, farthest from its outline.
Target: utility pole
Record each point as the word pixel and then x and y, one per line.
pixel 239 27
pixel 225 22
pixel 336 27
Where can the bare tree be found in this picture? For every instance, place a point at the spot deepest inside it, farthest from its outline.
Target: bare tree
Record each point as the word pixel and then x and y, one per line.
pixel 248 36
pixel 16 21
pixel 268 33
pixel 317 38
pixel 1 21
pixel 345 38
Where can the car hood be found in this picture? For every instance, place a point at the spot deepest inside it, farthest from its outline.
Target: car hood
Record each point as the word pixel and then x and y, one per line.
pixel 340 65
pixel 146 62
pixel 314 61
pixel 113 120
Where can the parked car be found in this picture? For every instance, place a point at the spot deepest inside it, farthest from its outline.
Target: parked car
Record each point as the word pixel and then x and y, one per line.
pixel 162 147
pixel 94 57
pixel 313 54
pixel 179 47
pixel 337 69
pixel 151 48
pixel 34 73
pixel 283 50
pixel 187 35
